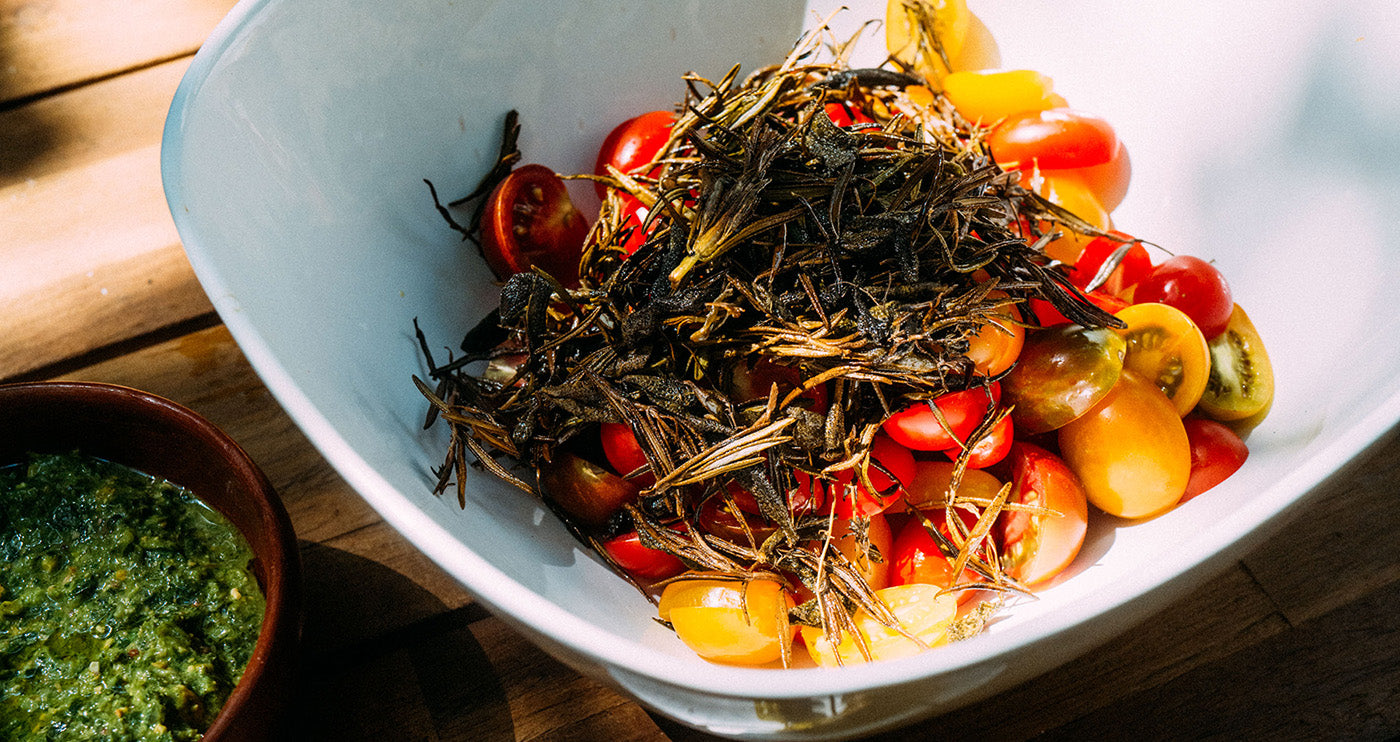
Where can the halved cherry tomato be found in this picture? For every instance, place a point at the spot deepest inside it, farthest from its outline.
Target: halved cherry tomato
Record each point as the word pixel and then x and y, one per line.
pixel 632 144
pixel 640 560
pixel 996 346
pixel 1216 454
pixel 583 489
pixel 730 621
pixel 917 426
pixel 530 220
pixel 1039 545
pixel 990 448
pixel 1192 285
pixel 1048 316
pixel 1064 371
pixel 875 568
pixel 1166 348
pixel 1052 139
pixel 886 456
pixel 1241 383
pixel 1130 451
pixel 987 96
pixel 623 452
pixel 922 611
pixel 917 558
pixel 1110 181
pixel 950 20
pixel 1133 266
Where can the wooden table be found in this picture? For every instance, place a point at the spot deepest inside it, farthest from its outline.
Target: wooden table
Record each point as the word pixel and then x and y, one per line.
pixel 1298 640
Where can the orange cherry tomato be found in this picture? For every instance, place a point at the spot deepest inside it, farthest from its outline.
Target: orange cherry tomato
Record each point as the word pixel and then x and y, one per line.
pixel 986 97
pixel 1166 348
pixel 948 20
pixel 1130 451
pixel 933 479
pixel 529 220
pixel 1109 181
pixel 1052 139
pixel 875 568
pixel 1039 545
pixel 922 612
pixel 730 621
pixel 997 345
pixel 633 144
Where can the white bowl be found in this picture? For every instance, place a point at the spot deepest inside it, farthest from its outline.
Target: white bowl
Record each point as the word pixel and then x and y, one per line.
pixel 294 160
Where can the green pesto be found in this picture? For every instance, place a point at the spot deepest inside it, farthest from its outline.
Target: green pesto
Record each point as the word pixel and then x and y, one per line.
pixel 127 611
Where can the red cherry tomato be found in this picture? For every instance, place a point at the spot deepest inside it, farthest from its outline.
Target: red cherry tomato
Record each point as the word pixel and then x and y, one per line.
pixel 990 448
pixel 640 560
pixel 917 426
pixel 634 143
pixel 1192 285
pixel 623 452
pixel 585 490
pixel 917 557
pixel 844 114
pixel 636 217
pixel 1037 546
pixel 529 220
pixel 1216 453
pixel 1135 265
pixel 754 382
pixel 1048 316
pixel 1055 139
pixel 891 457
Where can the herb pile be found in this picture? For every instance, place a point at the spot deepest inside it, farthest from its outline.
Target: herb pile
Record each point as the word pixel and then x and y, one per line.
pixel 856 261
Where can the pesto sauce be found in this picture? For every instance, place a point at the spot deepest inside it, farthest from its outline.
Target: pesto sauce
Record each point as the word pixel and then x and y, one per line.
pixel 127 610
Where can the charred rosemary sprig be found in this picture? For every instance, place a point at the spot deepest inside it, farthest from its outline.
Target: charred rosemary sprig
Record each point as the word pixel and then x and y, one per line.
pixel 853 265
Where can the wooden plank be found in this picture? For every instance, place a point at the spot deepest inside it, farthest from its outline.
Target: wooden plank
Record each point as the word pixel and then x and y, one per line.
pixel 91 256
pixel 59 43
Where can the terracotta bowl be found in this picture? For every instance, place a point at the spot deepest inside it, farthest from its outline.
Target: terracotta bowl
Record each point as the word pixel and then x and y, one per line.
pixel 163 439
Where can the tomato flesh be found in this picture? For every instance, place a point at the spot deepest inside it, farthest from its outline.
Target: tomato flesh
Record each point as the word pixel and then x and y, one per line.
pixel 1166 348
pixel 729 621
pixel 922 611
pixel 528 221
pixel 1039 545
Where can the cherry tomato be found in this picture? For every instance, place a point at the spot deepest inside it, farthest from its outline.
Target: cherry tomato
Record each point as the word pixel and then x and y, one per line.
pixel 583 489
pixel 734 524
pixel 1216 454
pixel 932 480
pixel 996 346
pixel 624 453
pixel 529 220
pixel 950 21
pixel 844 113
pixel 1132 267
pixel 1039 545
pixel 1241 383
pixel 1048 316
pixel 1053 139
pixel 891 457
pixel 642 561
pixel 875 568
pixel 730 621
pixel 632 144
pixel 1166 348
pixel 636 216
pixel 917 426
pixel 990 448
pixel 922 611
pixel 1130 451
pixel 1109 181
pixel 917 558
pixel 1064 371
pixel 986 97
pixel 750 382
pixel 1193 286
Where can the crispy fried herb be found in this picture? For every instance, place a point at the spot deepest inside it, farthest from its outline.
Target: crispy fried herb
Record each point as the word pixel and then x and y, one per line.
pixel 858 260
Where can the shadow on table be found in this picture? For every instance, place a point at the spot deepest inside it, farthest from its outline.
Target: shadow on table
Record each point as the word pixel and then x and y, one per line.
pixel 385 659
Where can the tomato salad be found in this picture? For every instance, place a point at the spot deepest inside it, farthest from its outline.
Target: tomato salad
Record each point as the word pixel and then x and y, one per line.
pixel 849 358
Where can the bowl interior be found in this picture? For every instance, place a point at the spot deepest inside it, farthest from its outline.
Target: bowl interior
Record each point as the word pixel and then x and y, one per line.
pixel 298 144
pixel 165 440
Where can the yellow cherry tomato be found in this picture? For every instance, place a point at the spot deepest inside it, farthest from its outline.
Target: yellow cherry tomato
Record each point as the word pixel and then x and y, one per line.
pixel 1130 451
pixel 985 97
pixel 922 611
pixel 876 571
pixel 1166 348
pixel 730 621
pixel 997 345
pixel 909 24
